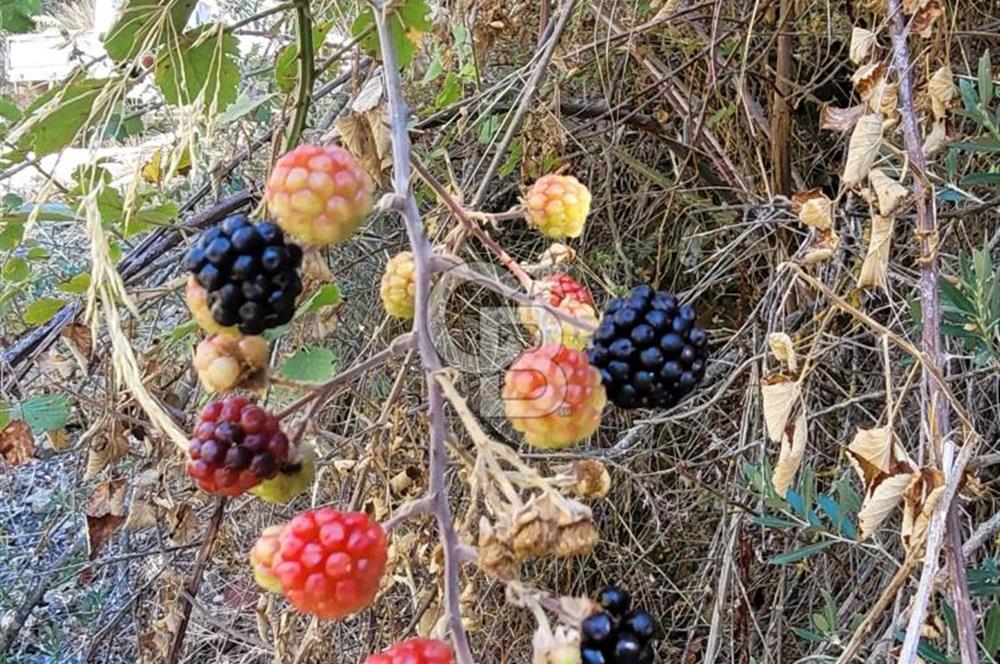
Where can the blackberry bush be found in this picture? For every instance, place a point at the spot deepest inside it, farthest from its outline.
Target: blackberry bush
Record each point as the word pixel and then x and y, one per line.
pixel 649 349
pixel 248 273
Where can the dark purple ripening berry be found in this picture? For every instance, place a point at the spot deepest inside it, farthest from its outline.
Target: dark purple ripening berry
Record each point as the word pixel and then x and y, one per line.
pixel 616 636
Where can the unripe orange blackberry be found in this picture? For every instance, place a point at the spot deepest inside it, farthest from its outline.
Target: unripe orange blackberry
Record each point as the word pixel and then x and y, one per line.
pixel 553 396
pixel 557 206
pixel 415 651
pixel 223 362
pixel 399 287
pixel 319 194
pixel 263 556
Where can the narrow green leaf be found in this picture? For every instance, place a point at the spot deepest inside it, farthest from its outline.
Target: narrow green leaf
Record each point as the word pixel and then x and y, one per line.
pixel 451 91
pixel 991 634
pixel 985 78
pixel 774 522
pixel 310 365
pixel 40 311
pixel 243 106
pixel 798 554
pixel 77 284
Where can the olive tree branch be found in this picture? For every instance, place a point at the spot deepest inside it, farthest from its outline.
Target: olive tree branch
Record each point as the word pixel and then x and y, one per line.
pixel 423 255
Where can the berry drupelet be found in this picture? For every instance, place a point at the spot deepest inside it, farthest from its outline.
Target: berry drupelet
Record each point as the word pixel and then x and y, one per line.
pixel 249 274
pixel 617 635
pixel 649 349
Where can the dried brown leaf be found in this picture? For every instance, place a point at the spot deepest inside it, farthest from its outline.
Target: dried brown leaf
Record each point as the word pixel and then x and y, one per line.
pixel 873 446
pixel 919 500
pixel 875 269
pixel 941 90
pixel 889 192
pixel 779 394
pixel 862 44
pixel 16 443
pixel 821 248
pixel 141 514
pixel 936 139
pixel 881 501
pixel 80 341
pixel 59 440
pixel 925 17
pixel 783 349
pixel 863 148
pixel 108 444
pixel 841 119
pixel 813 208
pixel 793 449
pixel 105 512
pixel 867 79
pixel 183 525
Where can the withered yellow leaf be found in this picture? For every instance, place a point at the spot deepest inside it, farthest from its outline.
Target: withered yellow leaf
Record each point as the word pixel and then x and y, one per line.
pixel 813 208
pixel 862 43
pixel 821 247
pixel 880 502
pixel 783 349
pixel 923 21
pixel 841 119
pixel 779 394
pixel 862 149
pixel 790 457
pixel 919 500
pixel 873 446
pixel 867 79
pixel 889 192
pixel 941 90
pixel 937 139
pixel 16 443
pixel 874 271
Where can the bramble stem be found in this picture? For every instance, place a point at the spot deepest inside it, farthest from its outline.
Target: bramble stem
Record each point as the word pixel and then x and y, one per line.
pixel 303 26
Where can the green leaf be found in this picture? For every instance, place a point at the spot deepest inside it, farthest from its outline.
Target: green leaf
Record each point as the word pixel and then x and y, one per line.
pixel 985 78
pixel 451 91
pixel 77 284
pixel 326 296
pixel 310 365
pixel 991 634
pixel 286 67
pixel 410 16
pixel 146 24
pixel 37 254
pixel 796 555
pixel 44 413
pixel 16 270
pixel 774 522
pixel 62 117
pixel 11 234
pixel 41 310
pixel 243 106
pixel 8 109
pixel 16 15
pixel 202 68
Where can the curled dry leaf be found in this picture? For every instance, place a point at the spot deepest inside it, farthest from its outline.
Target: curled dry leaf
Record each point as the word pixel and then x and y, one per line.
pixel 821 247
pixel 16 444
pixel 813 208
pixel 862 149
pixel 108 444
pixel 884 99
pixel 880 501
pixel 875 269
pixel 871 452
pixel 779 394
pixel 783 349
pixel 889 192
pixel 867 79
pixel 366 135
pixel 556 254
pixel 928 12
pixel 80 341
pixel 841 119
pixel 105 512
pixel 793 449
pixel 941 90
pixel 936 139
pixel 862 44
pixel 919 501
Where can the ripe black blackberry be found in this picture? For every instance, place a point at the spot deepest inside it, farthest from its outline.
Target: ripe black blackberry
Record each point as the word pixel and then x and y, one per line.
pixel 648 349
pixel 617 635
pixel 250 273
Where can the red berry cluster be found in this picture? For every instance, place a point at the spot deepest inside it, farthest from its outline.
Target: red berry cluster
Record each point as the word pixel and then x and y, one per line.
pixel 562 286
pixel 236 446
pixel 415 651
pixel 329 562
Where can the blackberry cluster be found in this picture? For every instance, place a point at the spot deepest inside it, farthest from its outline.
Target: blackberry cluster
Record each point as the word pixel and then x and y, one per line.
pixel 250 273
pixel 236 446
pixel 648 349
pixel 617 635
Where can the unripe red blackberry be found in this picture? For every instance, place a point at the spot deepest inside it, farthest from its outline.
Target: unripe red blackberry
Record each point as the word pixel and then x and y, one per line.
pixel 249 274
pixel 649 349
pixel 415 651
pixel 236 446
pixel 319 194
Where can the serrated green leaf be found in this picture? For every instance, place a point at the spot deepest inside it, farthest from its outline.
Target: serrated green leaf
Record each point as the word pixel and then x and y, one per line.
pixel 798 554
pixel 8 109
pixel 143 25
pixel 310 365
pixel 326 295
pixel 16 270
pixel 77 284
pixel 44 413
pixel 451 91
pixel 410 17
pixel 41 310
pixel 54 124
pixel 16 15
pixel 11 234
pixel 286 67
pixel 202 68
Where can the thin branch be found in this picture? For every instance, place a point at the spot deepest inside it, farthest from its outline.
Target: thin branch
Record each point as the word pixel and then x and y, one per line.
pixel 937 414
pixel 423 254
pixel 177 644
pixel 303 27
